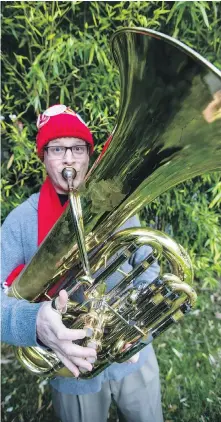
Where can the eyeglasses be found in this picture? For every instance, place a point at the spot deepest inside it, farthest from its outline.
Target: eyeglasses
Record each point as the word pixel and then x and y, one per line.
pixel 58 151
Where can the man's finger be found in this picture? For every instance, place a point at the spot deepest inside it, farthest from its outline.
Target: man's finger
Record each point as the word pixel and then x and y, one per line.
pixel 77 351
pixel 64 333
pixel 68 364
pixel 82 363
pixel 127 346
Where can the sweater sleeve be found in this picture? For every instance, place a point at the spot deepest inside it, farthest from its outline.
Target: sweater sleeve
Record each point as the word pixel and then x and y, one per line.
pixel 12 246
pixel 18 317
pixel 18 321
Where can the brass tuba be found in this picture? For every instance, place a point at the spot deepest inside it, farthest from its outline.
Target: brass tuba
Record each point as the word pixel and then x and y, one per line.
pixel 166 133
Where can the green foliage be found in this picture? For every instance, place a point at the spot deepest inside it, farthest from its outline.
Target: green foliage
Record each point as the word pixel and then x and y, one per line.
pixel 190 359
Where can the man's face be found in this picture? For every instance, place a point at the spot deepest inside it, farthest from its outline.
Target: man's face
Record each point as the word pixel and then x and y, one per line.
pixel 54 165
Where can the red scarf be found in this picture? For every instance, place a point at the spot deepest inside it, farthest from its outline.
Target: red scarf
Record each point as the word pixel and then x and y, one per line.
pixel 49 211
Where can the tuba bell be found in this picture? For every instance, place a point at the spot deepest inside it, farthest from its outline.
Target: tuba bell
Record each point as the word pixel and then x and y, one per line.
pixel 164 135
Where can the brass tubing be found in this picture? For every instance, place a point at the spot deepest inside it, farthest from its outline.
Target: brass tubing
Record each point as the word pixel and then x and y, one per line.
pixel 125 282
pixel 124 256
pixel 78 225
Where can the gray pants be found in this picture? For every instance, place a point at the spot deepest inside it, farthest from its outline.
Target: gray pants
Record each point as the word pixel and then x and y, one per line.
pixel 137 397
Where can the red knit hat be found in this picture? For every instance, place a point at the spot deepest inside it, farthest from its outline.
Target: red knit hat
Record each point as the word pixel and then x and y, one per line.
pixel 60 121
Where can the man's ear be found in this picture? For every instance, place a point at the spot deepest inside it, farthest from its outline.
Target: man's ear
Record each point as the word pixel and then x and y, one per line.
pixel 44 166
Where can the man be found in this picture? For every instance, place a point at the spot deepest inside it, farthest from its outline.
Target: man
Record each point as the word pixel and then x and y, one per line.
pixel 64 140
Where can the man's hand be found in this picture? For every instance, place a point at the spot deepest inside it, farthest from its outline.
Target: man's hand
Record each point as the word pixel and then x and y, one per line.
pixel 53 333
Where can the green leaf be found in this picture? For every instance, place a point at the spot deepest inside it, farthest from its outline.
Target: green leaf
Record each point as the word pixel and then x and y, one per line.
pixel 203 11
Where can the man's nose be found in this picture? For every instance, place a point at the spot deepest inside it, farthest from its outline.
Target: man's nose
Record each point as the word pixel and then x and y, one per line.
pixel 68 157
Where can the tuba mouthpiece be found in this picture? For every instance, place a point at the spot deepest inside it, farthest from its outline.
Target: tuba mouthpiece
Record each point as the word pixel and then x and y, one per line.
pixel 69 174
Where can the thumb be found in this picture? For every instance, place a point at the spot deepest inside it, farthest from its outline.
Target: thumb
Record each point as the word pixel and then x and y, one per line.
pixel 62 300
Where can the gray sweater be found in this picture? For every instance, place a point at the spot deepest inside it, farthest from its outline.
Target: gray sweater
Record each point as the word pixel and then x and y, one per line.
pixel 19 244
